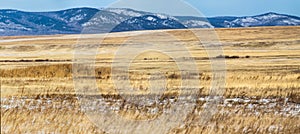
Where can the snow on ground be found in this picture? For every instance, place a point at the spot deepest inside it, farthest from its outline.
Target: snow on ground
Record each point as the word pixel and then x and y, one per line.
pixel 229 106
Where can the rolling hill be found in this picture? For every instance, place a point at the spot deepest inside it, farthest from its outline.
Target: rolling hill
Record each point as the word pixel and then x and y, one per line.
pixel 91 20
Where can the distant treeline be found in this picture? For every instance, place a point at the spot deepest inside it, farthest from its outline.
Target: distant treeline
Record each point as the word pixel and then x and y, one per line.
pixel 231 57
pixel 36 60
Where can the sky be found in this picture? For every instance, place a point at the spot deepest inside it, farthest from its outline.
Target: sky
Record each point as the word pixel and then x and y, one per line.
pixel 172 7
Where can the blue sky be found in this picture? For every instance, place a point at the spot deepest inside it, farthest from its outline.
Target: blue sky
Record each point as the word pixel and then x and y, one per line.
pixel 173 7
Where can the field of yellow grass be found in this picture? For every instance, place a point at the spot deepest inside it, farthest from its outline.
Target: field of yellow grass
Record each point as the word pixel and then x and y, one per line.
pixel 261 95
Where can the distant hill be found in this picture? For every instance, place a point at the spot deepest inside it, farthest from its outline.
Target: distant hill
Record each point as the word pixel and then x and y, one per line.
pixel 91 20
pixel 148 22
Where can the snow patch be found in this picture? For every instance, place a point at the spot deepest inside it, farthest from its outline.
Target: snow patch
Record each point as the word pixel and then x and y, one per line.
pixel 248 20
pixel 124 12
pixel 8 25
pixel 150 18
pixel 197 23
pixel 270 16
pixel 77 17
pixel 11 11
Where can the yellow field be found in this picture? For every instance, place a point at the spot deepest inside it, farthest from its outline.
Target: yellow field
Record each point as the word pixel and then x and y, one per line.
pixel 261 95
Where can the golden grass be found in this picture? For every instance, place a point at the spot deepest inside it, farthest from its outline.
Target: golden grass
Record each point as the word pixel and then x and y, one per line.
pixel 271 70
pixel 50 121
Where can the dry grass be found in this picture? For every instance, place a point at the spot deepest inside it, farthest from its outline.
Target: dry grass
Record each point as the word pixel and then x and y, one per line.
pixel 270 71
pixel 48 121
pixel 246 124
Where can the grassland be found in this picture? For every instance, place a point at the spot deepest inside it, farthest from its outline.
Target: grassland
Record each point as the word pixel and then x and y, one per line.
pixel 262 89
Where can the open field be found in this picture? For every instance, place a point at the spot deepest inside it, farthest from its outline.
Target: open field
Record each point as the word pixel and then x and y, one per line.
pixel 261 95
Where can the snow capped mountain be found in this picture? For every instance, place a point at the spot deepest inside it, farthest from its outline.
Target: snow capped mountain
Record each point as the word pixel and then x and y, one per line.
pixel 91 20
pixel 126 12
pixel 194 22
pixel 268 19
pixel 14 22
pixel 148 22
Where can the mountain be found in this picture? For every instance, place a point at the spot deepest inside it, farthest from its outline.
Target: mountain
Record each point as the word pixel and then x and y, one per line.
pixel 91 20
pixel 268 19
pixel 148 22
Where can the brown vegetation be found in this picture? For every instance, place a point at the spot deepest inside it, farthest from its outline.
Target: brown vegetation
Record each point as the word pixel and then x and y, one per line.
pixel 261 63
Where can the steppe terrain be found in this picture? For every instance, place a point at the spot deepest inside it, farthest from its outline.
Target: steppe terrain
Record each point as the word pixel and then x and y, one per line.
pixel 261 94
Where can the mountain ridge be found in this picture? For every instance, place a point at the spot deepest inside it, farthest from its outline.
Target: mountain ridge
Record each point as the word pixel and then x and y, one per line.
pixel 92 20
